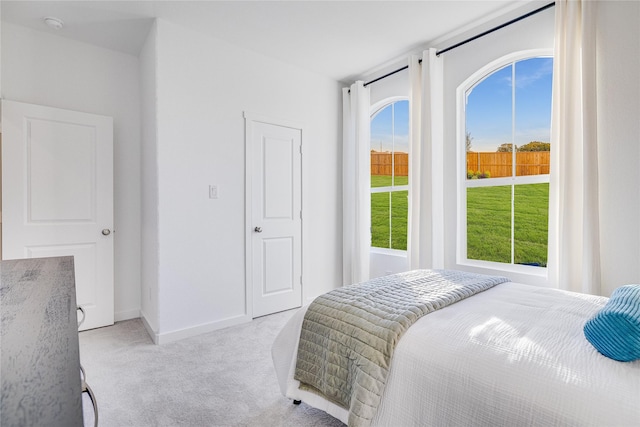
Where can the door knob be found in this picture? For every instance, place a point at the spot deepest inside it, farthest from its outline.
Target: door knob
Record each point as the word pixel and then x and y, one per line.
pixel 258 229
pixel 106 232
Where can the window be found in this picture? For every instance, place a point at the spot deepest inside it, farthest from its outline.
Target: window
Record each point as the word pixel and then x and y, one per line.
pixel 504 196
pixel 390 175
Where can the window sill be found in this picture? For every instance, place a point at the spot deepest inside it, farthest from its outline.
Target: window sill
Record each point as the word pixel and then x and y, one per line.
pixel 391 252
pixel 529 275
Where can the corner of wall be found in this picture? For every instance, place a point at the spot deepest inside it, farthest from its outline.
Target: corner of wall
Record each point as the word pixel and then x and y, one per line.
pixel 167 337
pixel 152 334
pixel 149 181
pixel 119 316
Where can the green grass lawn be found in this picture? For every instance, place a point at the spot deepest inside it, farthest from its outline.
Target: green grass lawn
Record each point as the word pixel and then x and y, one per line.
pixel 488 221
pixel 386 180
pixel 382 217
pixel 382 235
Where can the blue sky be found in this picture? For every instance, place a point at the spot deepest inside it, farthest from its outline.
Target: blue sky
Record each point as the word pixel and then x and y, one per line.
pixel 489 106
pixel 381 131
pixel 489 110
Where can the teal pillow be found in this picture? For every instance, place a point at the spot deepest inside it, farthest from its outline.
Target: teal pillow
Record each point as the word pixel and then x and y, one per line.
pixel 615 330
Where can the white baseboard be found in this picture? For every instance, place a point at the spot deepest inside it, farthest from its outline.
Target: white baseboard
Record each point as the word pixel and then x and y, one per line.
pixel 119 316
pixel 147 326
pixel 180 334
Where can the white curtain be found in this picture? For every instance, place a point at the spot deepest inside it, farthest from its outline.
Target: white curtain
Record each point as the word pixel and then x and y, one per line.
pixel 574 252
pixel 426 159
pixel 356 186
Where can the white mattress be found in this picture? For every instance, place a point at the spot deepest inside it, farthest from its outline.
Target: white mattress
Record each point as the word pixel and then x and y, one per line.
pixel 513 355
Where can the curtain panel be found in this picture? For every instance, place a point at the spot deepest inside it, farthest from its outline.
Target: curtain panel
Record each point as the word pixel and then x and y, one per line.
pixel 356 184
pixel 426 159
pixel 574 223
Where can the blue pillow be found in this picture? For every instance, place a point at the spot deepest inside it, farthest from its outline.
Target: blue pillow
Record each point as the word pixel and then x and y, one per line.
pixel 615 330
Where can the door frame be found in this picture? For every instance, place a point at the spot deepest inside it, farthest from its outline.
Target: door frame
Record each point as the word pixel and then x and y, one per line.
pixel 249 119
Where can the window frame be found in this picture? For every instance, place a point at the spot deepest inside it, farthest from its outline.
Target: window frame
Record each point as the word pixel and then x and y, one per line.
pixel 373 111
pixel 539 275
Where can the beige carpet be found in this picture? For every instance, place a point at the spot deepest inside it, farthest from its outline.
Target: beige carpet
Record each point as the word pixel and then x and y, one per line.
pixel 223 378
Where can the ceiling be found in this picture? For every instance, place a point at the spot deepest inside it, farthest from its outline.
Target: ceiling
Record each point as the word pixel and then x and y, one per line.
pixel 339 39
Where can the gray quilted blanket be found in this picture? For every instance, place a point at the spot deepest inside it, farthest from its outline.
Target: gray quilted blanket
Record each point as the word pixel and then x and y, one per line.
pixel 349 334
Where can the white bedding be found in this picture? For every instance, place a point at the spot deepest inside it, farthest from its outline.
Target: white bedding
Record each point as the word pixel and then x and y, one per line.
pixel 513 355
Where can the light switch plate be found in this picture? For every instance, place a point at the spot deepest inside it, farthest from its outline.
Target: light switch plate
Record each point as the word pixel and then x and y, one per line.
pixel 213 191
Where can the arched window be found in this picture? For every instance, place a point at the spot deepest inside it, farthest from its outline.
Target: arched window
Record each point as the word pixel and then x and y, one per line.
pixel 504 164
pixel 390 174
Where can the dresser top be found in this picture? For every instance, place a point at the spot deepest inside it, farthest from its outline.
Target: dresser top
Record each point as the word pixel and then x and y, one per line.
pixel 39 354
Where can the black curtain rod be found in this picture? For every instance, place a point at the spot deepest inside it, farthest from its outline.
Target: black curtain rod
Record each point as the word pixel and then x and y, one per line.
pixel 387 75
pixel 513 21
pixel 440 52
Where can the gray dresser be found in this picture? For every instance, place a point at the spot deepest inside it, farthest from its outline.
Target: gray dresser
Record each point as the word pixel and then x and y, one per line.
pixel 39 354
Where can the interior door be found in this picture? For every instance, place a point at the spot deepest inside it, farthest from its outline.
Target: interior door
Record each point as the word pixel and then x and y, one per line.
pixel 57 198
pixel 275 218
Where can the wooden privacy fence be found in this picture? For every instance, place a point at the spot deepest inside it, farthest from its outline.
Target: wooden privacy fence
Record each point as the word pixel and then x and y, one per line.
pixel 500 164
pixel 497 164
pixel 381 164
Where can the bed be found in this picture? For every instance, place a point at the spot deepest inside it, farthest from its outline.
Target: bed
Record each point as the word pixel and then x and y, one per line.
pixel 511 355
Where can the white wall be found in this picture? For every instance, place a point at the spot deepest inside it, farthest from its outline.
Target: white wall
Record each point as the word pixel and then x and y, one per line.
pixel 203 87
pixel 394 85
pixel 618 52
pixel 39 68
pixel 149 182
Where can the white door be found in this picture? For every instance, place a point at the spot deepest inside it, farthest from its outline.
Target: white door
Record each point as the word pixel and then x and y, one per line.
pixel 274 220
pixel 57 196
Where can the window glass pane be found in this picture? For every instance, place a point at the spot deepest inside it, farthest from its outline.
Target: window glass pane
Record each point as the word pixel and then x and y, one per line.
pixel 508 120
pixel 489 223
pixel 390 168
pixel 533 79
pixel 531 219
pixel 489 126
pixel 380 219
pixel 399 217
pixel 401 142
pixel 382 148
